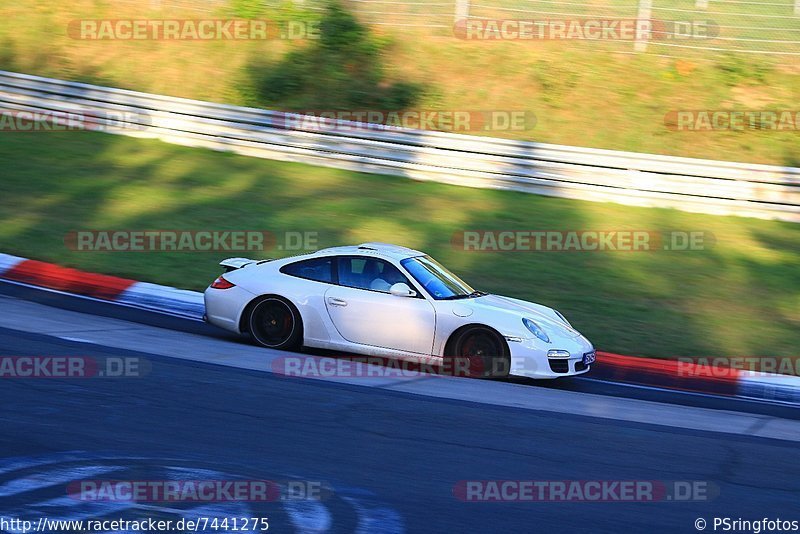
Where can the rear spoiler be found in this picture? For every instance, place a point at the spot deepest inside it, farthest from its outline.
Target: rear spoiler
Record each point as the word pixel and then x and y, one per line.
pixel 231 264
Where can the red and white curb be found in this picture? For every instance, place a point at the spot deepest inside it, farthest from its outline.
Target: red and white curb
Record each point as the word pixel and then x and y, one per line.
pixel 679 375
pixel 630 370
pixel 103 287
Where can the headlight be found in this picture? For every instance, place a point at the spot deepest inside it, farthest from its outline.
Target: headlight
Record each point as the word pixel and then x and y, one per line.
pixel 536 330
pixel 563 318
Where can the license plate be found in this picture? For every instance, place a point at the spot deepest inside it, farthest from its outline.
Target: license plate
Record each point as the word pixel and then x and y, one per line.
pixel 589 358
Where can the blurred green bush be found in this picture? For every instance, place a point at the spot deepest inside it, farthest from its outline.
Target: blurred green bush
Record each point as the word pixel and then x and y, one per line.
pixel 343 69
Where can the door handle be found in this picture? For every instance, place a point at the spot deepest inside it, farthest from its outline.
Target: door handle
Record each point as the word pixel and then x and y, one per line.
pixel 336 302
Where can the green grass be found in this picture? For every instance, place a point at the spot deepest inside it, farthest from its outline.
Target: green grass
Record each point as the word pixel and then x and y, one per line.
pixel 581 93
pixel 739 298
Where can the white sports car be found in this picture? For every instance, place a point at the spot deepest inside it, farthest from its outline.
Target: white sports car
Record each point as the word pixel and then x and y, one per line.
pixel 391 301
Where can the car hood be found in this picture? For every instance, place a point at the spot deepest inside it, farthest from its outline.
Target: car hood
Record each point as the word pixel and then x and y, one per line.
pixel 544 316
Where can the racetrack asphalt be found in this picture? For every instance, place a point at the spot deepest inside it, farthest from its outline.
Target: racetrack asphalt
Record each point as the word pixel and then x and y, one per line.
pixel 391 458
pixel 584 384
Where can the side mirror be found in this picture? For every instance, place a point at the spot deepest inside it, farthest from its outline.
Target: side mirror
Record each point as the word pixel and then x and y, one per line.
pixel 401 289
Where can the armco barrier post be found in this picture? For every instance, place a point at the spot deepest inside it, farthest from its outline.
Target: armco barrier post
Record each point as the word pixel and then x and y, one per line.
pixel 643 34
pixel 462 10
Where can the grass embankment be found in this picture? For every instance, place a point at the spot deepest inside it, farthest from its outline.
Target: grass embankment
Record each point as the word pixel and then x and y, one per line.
pixel 581 93
pixel 741 297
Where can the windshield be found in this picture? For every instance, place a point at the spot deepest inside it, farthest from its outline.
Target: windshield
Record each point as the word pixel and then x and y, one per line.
pixel 437 280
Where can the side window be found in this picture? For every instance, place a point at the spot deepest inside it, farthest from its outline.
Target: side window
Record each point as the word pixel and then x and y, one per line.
pixel 369 273
pixel 318 269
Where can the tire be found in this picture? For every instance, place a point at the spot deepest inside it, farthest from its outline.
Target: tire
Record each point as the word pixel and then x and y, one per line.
pixel 274 323
pixel 478 352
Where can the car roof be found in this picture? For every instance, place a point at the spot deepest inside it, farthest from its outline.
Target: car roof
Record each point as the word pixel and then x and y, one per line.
pixel 395 252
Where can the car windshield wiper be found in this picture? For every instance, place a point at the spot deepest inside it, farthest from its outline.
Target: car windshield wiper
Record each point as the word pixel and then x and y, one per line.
pixel 472 295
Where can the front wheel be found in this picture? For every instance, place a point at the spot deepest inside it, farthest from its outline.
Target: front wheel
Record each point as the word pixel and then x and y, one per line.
pixel 275 323
pixel 480 352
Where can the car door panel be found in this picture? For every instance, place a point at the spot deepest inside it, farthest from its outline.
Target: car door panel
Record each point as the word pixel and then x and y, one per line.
pixel 378 319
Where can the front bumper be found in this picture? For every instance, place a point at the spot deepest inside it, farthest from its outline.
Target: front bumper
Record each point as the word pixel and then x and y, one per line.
pixel 529 358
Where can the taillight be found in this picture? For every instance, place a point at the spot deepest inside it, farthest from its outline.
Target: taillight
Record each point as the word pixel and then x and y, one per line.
pixel 221 283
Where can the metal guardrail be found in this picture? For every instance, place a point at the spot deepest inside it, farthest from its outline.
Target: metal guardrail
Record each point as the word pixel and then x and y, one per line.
pixel 704 186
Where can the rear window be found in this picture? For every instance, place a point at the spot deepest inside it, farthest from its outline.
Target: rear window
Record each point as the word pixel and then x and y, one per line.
pixel 317 269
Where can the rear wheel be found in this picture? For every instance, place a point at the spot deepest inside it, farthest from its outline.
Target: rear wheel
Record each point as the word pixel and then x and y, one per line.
pixel 275 323
pixel 480 352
